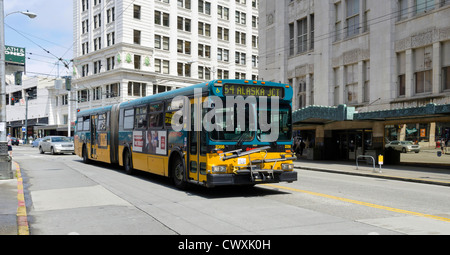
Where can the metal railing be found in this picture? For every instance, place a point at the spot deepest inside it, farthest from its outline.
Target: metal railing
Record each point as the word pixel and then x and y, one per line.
pixel 366 156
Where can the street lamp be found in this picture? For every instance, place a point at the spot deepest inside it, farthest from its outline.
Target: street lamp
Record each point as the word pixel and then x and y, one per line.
pixel 5 160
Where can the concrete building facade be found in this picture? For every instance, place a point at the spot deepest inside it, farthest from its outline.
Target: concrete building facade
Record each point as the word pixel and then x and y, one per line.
pixel 371 56
pixel 127 49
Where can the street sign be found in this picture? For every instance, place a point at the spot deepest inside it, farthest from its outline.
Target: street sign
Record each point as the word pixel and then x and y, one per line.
pixel 23 129
pixel 15 55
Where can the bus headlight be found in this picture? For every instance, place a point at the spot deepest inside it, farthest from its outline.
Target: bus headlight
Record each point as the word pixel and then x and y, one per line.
pixel 219 169
pixel 287 167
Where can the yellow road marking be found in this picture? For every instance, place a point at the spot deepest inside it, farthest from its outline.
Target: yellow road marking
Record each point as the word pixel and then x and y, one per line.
pixel 361 203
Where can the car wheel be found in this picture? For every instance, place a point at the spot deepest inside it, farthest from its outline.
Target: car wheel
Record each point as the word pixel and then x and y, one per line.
pixel 52 151
pixel 40 150
pixel 404 150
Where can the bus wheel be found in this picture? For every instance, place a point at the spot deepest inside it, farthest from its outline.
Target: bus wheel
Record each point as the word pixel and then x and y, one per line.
pixel 178 174
pixel 128 163
pixel 85 155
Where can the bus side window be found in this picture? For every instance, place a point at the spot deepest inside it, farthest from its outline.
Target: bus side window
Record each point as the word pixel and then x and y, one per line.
pixel 80 124
pixel 86 123
pixel 128 119
pixel 140 120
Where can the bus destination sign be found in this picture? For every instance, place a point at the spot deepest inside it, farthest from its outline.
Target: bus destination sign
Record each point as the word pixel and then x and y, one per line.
pixel 252 90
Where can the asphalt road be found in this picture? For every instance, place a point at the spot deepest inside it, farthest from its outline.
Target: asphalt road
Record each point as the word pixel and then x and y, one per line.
pixel 65 196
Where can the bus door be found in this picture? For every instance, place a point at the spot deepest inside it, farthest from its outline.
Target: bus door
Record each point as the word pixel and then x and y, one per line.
pixel 197 143
pixel 93 136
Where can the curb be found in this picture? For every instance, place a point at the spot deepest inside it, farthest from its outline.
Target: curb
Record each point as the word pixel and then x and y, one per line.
pixel 22 221
pixel 398 178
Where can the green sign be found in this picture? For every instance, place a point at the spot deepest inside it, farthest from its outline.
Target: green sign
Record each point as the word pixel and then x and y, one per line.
pixel 15 55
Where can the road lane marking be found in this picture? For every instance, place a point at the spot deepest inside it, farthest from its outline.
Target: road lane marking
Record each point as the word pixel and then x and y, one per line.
pixel 361 203
pixel 22 219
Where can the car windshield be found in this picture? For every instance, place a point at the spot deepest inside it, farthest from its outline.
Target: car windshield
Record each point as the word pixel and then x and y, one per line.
pixel 408 142
pixel 60 139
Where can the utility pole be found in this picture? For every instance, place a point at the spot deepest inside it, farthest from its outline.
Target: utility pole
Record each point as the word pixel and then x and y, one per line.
pixel 5 159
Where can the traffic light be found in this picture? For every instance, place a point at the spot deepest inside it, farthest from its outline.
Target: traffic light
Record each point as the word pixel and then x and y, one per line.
pixel 18 78
pixel 13 100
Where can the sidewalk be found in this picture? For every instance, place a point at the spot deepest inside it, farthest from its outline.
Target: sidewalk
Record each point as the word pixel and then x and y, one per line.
pixel 8 206
pixel 413 173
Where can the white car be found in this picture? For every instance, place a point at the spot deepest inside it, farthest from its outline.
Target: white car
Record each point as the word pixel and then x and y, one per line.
pixel 404 146
pixel 56 144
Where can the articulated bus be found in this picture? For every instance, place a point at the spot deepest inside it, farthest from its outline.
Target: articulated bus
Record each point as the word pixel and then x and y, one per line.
pixel 201 134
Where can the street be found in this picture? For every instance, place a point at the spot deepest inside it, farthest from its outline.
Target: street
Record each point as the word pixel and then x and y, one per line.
pixel 65 196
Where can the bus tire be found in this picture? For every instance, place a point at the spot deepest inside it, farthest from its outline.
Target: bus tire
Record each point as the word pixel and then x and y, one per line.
pixel 178 173
pixel 128 162
pixel 85 155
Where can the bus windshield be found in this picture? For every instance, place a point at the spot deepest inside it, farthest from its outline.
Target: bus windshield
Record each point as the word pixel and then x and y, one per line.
pixel 229 118
pixel 280 118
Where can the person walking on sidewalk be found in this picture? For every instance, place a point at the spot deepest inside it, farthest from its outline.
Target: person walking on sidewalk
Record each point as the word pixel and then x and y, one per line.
pixel 8 139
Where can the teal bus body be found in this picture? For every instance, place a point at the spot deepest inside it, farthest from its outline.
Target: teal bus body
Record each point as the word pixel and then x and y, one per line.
pixel 138 136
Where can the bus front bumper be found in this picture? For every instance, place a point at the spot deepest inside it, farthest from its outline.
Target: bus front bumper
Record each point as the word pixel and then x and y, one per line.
pixel 214 180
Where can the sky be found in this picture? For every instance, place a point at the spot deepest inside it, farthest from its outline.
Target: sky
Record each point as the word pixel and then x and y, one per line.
pixel 50 31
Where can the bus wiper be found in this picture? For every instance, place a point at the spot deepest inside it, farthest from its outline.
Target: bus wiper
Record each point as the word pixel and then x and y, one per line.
pixel 241 138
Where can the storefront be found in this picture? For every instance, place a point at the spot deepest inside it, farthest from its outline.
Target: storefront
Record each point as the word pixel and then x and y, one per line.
pixel 343 134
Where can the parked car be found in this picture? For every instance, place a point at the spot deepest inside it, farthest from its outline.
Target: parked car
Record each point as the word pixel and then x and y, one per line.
pixel 403 146
pixel 56 144
pixel 14 141
pixel 36 141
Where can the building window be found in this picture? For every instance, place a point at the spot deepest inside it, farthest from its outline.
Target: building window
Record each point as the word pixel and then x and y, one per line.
pixel 162 18
pixel 403 6
pixel 366 91
pixel 446 65
pixel 291 39
pixel 161 42
pixel 424 5
pixel 137 62
pixel 401 74
pixel 184 24
pixel 446 78
pixel 97 43
pixel 110 38
pixel 223 12
pixel 302 35
pixel 423 69
pixel 137 37
pixel 338 22
pixel 110 63
pixel 137 89
pixel 97 21
pixel 136 11
pixel 184 47
pixel 204 7
pixel 97 66
pixel 204 29
pixel 184 69
pixel 97 93
pixel 351 87
pixel 110 15
pixel 112 90
pixel 352 17
pixel 301 94
pixel 84 70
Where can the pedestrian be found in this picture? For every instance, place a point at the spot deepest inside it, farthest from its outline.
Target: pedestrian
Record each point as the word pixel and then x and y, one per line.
pixel 302 147
pixel 442 144
pixel 8 139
